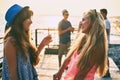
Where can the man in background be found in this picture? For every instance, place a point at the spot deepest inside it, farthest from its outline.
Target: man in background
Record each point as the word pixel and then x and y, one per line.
pixel 64 30
pixel 108 27
pixel 107 22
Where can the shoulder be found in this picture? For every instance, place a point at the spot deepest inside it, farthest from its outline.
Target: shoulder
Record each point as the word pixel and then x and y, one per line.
pixel 10 39
pixel 107 21
pixel 60 24
pixel 10 48
pixel 69 22
pixel 9 42
pixel 62 21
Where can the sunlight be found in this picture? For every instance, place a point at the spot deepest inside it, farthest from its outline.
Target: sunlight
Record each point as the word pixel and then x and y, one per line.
pixel 53 21
pixel 76 7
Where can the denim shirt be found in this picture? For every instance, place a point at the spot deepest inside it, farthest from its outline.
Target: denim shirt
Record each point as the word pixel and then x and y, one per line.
pixel 25 70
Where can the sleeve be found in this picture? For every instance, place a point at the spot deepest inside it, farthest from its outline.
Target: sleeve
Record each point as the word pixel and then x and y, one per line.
pixel 59 26
pixel 107 24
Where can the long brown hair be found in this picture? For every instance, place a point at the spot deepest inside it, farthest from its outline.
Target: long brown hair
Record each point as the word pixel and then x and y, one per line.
pixel 22 37
pixel 94 50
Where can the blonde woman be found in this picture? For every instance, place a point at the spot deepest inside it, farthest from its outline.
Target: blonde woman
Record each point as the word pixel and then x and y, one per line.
pixel 88 54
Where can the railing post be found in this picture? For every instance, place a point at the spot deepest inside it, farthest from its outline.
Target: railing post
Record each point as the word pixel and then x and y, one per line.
pixel 48 34
pixel 36 37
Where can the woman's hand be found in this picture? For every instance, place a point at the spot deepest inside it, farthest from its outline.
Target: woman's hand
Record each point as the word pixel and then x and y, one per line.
pixel 44 42
pixel 47 40
pixel 57 76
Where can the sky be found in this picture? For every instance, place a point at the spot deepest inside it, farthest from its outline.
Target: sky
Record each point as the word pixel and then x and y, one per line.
pixel 54 7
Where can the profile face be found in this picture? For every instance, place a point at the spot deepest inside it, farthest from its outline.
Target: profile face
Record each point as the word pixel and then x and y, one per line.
pixel 85 24
pixel 26 24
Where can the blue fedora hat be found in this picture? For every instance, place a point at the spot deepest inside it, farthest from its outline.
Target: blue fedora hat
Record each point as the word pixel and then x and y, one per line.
pixel 12 12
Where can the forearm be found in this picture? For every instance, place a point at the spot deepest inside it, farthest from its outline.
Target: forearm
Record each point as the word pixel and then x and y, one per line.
pixel 58 75
pixel 65 64
pixel 13 73
pixel 63 31
pixel 37 59
pixel 44 42
pixel 13 76
pixel 40 48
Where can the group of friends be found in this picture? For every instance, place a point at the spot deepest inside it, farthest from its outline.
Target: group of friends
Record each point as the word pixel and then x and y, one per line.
pixel 85 56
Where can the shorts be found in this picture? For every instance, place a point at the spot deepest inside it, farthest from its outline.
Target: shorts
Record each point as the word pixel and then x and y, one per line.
pixel 63 49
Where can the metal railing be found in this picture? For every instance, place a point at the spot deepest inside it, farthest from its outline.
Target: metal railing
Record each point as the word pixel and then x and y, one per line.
pixel 40 33
pixel 52 48
pixel 1 54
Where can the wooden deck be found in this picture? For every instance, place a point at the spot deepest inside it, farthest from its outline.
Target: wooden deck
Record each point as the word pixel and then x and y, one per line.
pixel 49 66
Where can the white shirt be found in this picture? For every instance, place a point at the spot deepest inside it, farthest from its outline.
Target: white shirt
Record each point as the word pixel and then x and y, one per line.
pixel 108 26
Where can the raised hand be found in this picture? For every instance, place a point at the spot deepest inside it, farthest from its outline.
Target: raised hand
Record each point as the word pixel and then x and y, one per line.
pixel 47 40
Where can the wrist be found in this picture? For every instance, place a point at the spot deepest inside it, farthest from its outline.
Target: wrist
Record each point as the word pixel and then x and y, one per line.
pixel 42 44
pixel 40 47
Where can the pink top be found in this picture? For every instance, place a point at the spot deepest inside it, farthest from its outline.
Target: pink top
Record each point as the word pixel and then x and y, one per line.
pixel 73 70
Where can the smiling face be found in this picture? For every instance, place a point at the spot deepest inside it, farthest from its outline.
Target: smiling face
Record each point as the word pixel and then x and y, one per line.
pixel 85 24
pixel 26 24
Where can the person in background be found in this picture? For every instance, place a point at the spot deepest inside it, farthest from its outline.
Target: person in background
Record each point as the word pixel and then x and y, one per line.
pixel 79 27
pixel 104 13
pixel 64 30
pixel 20 54
pixel 88 53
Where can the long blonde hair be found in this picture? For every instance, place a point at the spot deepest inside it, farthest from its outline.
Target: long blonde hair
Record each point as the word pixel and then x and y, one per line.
pixel 95 40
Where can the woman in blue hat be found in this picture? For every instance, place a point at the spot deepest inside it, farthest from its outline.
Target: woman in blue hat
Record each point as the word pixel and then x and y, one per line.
pixel 20 55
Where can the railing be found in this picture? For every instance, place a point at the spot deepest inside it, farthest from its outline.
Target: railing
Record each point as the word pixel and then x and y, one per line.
pixel 52 48
pixel 1 54
pixel 40 33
